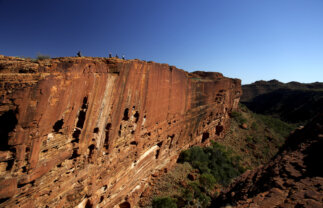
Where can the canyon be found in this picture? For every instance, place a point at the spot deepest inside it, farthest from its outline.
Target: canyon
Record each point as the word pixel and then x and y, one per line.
pixel 91 132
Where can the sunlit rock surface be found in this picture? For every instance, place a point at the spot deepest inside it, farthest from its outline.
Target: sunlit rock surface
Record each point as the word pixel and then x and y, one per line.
pixel 91 131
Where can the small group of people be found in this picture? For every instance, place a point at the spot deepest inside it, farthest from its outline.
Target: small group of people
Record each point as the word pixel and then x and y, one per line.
pixel 110 55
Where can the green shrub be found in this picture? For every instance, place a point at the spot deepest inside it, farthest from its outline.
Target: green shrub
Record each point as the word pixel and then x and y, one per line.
pixel 235 114
pixel 207 181
pixel 254 126
pixel 277 125
pixel 217 164
pixel 42 56
pixel 238 117
pixel 194 193
pixel 164 202
pixel 216 160
pixel 249 139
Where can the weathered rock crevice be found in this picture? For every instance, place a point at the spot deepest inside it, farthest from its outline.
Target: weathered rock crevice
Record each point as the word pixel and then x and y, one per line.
pixel 92 131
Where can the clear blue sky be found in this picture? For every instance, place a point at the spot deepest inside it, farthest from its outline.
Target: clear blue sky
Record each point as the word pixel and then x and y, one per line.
pixel 246 39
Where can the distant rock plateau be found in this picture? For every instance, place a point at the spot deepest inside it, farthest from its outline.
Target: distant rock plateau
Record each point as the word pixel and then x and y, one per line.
pixel 293 102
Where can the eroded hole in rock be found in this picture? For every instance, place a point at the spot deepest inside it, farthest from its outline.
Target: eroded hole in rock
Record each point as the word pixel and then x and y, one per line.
pixel 3 200
pixel 82 114
pixel 218 129
pixel 101 199
pixel 107 133
pixel 84 104
pixel 105 187
pixel 126 115
pixel 58 125
pixel 88 204
pixel 74 155
pixel 8 122
pixel 81 119
pixel 91 150
pixel 96 130
pixel 21 185
pixel 136 116
pixel 9 164
pixel 124 205
pixel 76 135
pixel 134 143
pixel 157 153
pixel 160 144
pixel 205 136
pixel 119 132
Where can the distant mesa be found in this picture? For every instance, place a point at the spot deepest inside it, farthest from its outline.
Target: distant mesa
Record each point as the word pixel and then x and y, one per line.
pixel 292 102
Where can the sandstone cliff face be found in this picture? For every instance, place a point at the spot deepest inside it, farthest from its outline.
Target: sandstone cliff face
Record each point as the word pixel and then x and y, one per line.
pixel 91 131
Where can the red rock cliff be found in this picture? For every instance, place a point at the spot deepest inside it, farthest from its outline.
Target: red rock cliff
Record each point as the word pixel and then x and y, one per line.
pixel 91 131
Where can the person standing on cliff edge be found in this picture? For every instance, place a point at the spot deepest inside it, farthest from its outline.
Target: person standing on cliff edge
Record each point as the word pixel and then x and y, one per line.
pixel 110 55
pixel 79 54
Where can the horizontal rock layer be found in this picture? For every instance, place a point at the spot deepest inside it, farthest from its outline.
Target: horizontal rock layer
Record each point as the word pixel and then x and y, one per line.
pixel 91 131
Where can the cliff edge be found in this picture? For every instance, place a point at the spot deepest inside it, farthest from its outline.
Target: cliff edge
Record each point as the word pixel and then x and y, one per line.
pixel 91 131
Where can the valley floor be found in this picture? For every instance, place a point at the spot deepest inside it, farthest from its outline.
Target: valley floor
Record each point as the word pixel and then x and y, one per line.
pixel 252 138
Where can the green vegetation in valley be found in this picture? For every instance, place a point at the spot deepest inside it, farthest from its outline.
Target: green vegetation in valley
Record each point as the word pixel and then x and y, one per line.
pixel 243 147
pixel 279 126
pixel 215 165
pixel 238 117
pixel 216 160
pixel 164 202
pixel 259 139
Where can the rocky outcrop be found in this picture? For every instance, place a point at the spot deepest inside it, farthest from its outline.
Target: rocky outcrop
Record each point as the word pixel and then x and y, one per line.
pixel 292 102
pixel 91 131
pixel 294 178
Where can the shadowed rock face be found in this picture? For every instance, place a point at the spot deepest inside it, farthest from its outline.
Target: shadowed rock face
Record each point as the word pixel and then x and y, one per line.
pixel 294 178
pixel 92 131
pixel 292 102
